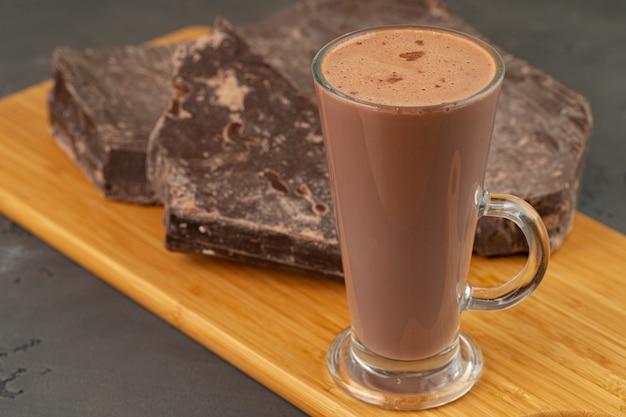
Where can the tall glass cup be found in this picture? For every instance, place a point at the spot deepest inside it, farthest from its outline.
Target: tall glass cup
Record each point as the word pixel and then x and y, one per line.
pixel 407 115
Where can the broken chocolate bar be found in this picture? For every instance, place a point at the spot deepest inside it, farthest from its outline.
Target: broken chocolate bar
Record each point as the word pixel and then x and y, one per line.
pixel 103 106
pixel 239 163
pixel 541 130
pixel 540 140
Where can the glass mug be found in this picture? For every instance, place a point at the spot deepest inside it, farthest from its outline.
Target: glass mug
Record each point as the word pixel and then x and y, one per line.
pixel 407 116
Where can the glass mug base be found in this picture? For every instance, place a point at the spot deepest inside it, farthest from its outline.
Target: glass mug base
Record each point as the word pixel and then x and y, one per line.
pixel 404 389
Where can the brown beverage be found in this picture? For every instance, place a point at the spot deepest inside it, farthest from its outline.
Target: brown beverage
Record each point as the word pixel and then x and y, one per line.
pixel 409 118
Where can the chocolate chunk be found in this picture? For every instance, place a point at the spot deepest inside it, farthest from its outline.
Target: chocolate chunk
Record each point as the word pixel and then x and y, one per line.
pixel 541 131
pixel 238 161
pixel 103 106
pixel 539 144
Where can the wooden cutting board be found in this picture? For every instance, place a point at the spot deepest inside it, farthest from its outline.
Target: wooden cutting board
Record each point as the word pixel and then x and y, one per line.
pixel 562 349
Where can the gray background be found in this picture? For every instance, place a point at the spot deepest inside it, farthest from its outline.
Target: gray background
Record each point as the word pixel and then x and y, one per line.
pixel 70 345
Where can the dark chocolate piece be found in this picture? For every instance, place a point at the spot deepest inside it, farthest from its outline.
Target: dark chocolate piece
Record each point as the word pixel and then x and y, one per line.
pixel 103 106
pixel 541 131
pixel 239 162
pixel 245 187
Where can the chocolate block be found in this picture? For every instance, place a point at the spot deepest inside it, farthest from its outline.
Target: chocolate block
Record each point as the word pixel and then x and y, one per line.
pixel 103 105
pixel 239 162
pixel 541 130
pixel 540 139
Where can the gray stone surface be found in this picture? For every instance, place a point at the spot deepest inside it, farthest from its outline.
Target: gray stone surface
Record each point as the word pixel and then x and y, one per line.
pixel 72 346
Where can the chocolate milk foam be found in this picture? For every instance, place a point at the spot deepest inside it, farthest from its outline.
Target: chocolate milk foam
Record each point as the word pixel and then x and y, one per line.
pixel 407 178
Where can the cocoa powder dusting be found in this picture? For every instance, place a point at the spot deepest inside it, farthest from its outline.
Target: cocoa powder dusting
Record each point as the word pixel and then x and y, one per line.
pixel 394 79
pixel 412 56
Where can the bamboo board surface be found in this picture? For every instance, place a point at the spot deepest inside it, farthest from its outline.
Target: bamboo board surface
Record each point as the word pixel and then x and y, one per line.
pixel 562 349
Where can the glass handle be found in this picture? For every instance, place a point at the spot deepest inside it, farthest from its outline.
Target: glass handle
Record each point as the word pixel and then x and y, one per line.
pixel 524 283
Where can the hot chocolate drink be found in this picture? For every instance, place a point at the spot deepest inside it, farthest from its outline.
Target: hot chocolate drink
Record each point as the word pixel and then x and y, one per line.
pixel 409 67
pixel 408 115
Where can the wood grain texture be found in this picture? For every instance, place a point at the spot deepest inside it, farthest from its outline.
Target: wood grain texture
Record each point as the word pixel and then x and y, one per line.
pixel 562 349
